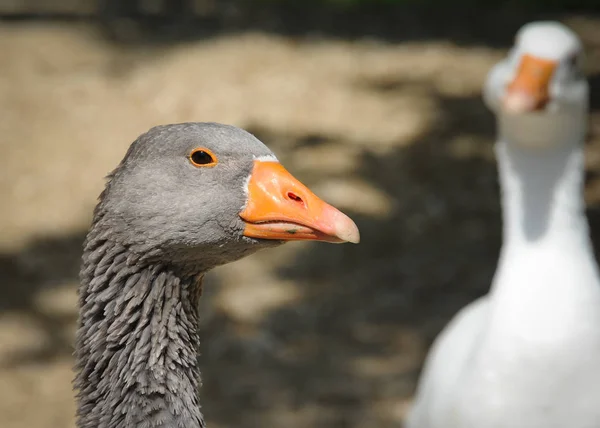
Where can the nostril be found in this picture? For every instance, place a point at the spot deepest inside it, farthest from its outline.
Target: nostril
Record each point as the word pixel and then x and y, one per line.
pixel 295 197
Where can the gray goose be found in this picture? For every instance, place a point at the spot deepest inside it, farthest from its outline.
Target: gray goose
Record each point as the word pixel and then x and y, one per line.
pixel 185 199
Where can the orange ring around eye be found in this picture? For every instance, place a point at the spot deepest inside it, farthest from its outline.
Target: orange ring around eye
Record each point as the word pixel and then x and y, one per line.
pixel 203 157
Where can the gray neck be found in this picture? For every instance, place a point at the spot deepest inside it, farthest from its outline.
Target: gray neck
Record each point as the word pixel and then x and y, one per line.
pixel 136 347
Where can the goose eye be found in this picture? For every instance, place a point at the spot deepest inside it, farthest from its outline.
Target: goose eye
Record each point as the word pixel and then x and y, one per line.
pixel 202 157
pixel 574 67
pixel 572 61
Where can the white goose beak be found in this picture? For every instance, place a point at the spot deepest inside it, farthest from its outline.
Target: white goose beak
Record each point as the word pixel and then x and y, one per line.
pixel 529 90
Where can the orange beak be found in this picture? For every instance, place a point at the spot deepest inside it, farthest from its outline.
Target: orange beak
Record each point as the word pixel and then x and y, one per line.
pixel 280 207
pixel 529 91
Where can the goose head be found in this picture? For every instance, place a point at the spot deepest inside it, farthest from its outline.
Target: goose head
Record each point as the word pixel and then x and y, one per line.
pixel 203 194
pixel 539 92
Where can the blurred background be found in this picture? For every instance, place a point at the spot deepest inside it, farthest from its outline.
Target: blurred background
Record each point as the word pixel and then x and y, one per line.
pixel 373 104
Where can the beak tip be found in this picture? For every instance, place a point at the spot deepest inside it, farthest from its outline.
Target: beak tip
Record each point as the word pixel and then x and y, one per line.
pixel 518 102
pixel 353 237
pixel 347 231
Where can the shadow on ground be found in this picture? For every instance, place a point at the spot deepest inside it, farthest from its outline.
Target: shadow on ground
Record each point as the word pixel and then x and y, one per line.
pixel 41 266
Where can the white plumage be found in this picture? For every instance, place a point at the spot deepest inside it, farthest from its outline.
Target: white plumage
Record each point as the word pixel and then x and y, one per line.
pixel 527 355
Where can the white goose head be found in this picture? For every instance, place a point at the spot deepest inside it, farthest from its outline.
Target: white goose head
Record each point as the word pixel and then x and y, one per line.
pixel 539 91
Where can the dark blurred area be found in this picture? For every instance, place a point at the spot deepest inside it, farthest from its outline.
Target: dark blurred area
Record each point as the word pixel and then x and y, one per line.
pixel 374 104
pixel 464 21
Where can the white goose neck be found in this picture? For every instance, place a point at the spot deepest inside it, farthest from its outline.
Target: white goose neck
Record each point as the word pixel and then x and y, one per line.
pixel 542 189
pixel 546 285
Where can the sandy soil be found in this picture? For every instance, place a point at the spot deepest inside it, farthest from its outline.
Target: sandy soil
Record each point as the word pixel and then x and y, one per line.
pixel 313 335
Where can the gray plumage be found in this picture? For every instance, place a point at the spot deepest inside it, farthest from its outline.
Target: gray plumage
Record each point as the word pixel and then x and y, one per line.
pixel 159 226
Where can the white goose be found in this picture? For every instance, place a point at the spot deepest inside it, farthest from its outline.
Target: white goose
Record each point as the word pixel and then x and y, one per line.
pixel 527 355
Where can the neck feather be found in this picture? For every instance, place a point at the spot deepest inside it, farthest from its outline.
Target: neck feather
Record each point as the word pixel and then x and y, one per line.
pixel 542 193
pixel 136 347
pixel 546 240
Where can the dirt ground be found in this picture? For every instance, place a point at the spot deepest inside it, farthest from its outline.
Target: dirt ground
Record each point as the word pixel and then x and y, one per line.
pixel 393 133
